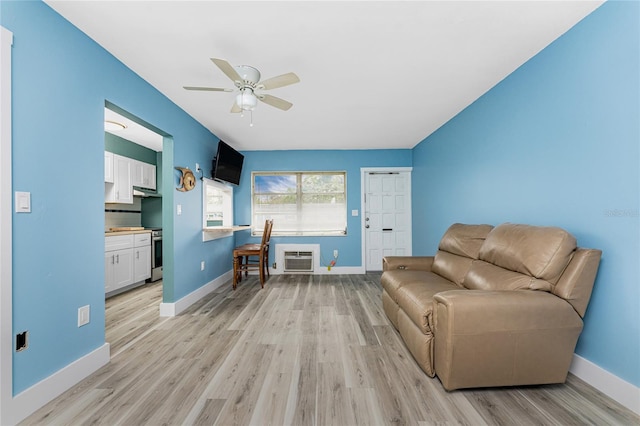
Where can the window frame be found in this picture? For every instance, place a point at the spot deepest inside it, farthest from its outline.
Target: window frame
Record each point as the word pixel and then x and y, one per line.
pixel 257 228
pixel 223 230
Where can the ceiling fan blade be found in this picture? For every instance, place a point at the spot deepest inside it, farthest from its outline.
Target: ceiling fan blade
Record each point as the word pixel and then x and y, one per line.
pixel 208 89
pixel 228 69
pixel 276 102
pixel 279 81
pixel 235 108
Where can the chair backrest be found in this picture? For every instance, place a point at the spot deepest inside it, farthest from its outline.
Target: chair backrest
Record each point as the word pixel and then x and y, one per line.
pixel 266 233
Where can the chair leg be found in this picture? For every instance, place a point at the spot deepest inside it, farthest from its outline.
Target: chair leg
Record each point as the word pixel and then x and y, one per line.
pixel 235 271
pixel 261 266
pixel 266 264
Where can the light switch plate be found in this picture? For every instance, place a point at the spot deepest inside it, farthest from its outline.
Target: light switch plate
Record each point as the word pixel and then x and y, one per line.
pixel 354 213
pixel 23 202
pixel 83 315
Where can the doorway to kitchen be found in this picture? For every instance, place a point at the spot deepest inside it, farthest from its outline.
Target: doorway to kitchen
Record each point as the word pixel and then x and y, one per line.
pixel 136 197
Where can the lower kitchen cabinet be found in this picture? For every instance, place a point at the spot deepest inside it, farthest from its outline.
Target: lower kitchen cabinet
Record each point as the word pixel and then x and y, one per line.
pixel 142 257
pixel 118 266
pixel 127 260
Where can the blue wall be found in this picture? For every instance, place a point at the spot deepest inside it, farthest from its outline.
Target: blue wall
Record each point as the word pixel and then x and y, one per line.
pixel 349 246
pixel 61 80
pixel 555 143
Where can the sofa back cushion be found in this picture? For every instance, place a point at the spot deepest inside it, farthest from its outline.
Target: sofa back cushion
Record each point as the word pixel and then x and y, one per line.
pixel 486 276
pixel 458 247
pixel 537 255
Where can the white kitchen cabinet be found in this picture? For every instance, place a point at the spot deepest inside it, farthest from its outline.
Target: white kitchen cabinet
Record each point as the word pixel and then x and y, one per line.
pixel 127 260
pixel 123 269
pixel 142 257
pixel 108 167
pixel 121 190
pixel 144 174
pixel 118 262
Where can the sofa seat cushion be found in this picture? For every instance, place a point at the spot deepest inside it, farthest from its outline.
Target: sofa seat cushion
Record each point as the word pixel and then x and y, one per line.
pixel 392 280
pixel 416 300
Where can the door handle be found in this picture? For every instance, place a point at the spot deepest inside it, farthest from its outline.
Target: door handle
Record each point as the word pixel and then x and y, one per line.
pixel 387 229
pixel 117 258
pixel 367 225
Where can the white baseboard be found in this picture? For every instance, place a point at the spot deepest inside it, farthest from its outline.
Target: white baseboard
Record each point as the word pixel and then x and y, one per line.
pixel 611 385
pixel 43 392
pixel 175 308
pixel 323 270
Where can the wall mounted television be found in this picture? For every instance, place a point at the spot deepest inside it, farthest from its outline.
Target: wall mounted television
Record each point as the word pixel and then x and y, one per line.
pixel 227 164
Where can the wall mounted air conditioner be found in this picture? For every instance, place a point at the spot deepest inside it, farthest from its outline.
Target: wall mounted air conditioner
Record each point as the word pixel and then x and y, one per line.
pixel 298 261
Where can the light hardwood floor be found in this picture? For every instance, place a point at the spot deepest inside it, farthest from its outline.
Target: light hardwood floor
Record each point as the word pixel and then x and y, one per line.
pixel 306 350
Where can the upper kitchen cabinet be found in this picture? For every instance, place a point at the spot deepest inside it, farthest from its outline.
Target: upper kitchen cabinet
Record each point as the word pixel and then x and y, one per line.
pixel 108 167
pixel 144 174
pixel 121 190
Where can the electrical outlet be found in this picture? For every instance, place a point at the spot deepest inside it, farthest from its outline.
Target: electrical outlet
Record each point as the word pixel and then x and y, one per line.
pixel 83 315
pixel 335 253
pixel 179 209
pixel 22 341
pixel 202 265
pixel 197 167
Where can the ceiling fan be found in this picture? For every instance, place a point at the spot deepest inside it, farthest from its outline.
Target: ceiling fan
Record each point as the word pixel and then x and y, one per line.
pixel 247 80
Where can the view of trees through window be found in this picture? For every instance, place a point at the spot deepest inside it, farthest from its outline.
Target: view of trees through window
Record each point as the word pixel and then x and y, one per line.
pixel 300 203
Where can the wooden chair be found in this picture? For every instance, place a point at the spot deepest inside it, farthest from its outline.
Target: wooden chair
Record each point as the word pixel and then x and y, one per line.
pixel 253 256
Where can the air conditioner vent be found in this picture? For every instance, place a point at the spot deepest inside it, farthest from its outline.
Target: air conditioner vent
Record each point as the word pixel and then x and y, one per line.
pixel 298 261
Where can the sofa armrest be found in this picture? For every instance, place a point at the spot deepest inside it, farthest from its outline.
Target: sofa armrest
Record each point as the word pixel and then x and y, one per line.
pixel 416 263
pixel 503 338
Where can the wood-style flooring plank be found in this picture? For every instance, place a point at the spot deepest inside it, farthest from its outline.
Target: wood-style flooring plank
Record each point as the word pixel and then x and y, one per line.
pixel 305 350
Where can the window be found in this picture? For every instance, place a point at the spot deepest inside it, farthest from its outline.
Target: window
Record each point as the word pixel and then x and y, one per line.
pixel 300 203
pixel 217 207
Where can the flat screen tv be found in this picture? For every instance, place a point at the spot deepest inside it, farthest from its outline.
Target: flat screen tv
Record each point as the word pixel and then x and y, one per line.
pixel 227 165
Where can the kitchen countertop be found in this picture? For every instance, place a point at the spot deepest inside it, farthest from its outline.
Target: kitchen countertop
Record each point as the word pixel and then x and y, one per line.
pixel 113 233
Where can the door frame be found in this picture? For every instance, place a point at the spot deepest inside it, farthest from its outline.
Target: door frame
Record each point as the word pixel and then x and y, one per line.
pixel 6 233
pixel 363 172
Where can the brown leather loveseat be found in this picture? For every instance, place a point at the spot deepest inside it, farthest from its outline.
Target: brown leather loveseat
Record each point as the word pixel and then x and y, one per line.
pixel 496 306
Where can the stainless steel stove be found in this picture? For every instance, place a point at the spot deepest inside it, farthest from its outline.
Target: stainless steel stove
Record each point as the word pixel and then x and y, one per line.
pixel 156 254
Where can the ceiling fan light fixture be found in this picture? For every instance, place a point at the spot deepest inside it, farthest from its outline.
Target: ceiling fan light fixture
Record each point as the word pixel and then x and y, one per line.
pixel 246 100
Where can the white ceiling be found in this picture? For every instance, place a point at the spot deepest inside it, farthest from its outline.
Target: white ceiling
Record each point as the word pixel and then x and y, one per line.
pixel 373 74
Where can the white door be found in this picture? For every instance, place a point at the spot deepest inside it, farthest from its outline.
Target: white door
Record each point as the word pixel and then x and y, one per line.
pixel 387 216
